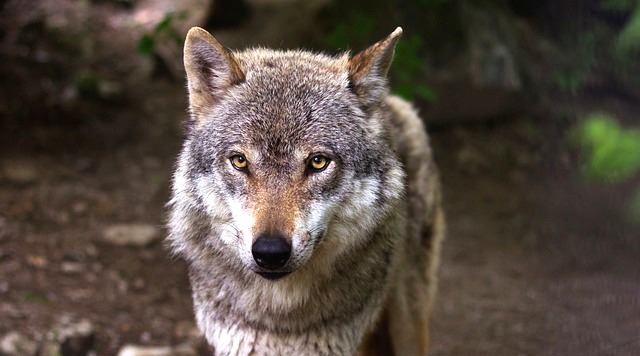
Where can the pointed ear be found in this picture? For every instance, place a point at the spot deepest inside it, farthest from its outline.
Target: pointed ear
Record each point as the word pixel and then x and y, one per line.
pixel 211 69
pixel 368 69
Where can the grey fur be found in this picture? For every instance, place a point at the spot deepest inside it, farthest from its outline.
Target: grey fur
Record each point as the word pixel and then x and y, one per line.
pixel 365 232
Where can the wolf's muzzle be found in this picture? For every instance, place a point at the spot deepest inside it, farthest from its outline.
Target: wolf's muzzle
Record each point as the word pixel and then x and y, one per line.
pixel 271 251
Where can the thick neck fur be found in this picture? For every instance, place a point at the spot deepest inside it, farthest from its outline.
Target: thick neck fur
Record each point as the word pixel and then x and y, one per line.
pixel 305 313
pixel 242 313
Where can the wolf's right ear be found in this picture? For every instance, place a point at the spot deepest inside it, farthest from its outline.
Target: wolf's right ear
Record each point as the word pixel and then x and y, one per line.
pixel 211 69
pixel 368 69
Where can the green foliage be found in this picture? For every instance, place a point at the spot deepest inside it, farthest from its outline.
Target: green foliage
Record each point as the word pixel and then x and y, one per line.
pixel 618 5
pixel 569 81
pixel 357 30
pixel 612 153
pixel 628 42
pixel 146 44
pixel 602 48
pixel 572 77
pixel 162 30
pixel 407 67
pixel 408 63
pixel 87 85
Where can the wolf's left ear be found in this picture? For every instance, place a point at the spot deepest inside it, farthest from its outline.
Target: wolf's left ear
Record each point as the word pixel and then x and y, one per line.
pixel 211 69
pixel 368 69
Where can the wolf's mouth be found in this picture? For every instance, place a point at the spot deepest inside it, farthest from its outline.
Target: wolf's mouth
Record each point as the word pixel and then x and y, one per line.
pixel 273 275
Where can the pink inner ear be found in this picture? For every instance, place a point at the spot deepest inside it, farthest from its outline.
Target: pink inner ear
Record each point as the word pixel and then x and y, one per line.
pixel 209 66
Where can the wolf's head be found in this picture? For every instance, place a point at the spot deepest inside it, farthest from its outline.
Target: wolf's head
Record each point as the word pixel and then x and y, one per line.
pixel 287 155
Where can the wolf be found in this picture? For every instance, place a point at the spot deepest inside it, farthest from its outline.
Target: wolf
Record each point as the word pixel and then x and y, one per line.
pixel 305 202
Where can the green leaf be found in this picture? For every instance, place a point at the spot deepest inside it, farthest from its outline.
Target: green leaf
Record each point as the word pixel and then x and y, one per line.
pixel 338 37
pixel 357 29
pixel 146 44
pixel 628 41
pixel 363 25
pixel 611 152
pixel 183 15
pixel 407 59
pixel 165 23
pixel 426 93
pixel 405 91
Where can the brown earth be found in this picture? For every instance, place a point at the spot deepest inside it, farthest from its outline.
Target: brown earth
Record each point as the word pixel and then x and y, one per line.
pixel 537 261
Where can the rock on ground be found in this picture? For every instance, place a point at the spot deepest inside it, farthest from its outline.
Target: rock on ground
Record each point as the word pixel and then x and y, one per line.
pixel 16 344
pixel 180 350
pixel 131 234
pixel 69 337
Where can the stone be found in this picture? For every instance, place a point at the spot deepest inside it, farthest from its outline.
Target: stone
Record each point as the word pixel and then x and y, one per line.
pixel 50 348
pixel 20 171
pixel 16 344
pixel 110 90
pixel 491 47
pixel 139 235
pixel 72 267
pixel 71 337
pixel 180 350
pixel 484 79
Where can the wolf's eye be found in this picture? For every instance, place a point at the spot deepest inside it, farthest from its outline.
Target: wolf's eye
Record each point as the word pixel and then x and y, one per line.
pixel 239 162
pixel 318 163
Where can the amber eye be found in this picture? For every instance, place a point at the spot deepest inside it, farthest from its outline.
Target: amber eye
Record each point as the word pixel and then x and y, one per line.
pixel 239 162
pixel 318 163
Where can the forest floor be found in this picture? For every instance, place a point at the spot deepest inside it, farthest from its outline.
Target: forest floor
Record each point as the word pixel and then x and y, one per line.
pixel 536 261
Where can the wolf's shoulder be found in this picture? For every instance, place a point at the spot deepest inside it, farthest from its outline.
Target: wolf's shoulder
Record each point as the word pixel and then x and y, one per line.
pixel 407 130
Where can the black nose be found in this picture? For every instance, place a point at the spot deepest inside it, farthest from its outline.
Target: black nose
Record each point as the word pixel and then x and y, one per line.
pixel 271 251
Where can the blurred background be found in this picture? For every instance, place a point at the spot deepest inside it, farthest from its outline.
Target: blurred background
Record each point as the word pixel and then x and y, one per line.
pixel 532 107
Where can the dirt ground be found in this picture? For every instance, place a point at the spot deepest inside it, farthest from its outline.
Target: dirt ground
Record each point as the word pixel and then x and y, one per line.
pixel 536 262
